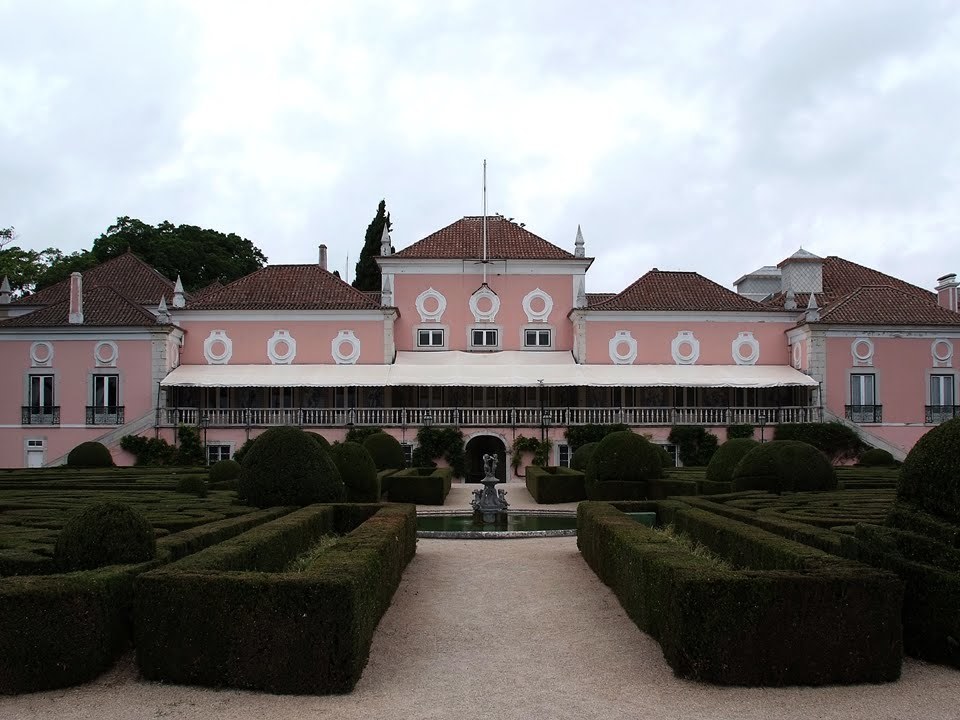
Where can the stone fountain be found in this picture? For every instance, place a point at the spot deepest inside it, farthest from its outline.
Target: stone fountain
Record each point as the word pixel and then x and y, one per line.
pixel 489 505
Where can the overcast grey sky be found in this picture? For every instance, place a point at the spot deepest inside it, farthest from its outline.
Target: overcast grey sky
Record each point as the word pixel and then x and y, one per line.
pixel 707 136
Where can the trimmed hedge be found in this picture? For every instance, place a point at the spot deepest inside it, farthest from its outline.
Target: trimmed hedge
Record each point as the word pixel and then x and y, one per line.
pixel 834 439
pixel 555 484
pixel 358 471
pixel 62 630
pixel 725 459
pixel 224 470
pixel 784 465
pixel 383 477
pixel 318 439
pixel 422 486
pixel 930 476
pixel 877 457
pixel 386 451
pixel 625 457
pixel 792 616
pixel 582 455
pixel 695 444
pixel 579 435
pixel 617 490
pixel 90 455
pixel 321 621
pixel 285 466
pixel 107 533
pixel 193 485
pixel 736 432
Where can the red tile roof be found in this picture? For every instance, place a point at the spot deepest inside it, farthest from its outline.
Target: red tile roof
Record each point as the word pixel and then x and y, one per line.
pixel 885 305
pixel 102 307
pixel 682 291
pixel 125 273
pixel 286 287
pixel 204 291
pixel 595 298
pixel 506 240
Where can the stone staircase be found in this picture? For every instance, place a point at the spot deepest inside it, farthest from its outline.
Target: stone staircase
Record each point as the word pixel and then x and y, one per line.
pixel 868 437
pixel 112 437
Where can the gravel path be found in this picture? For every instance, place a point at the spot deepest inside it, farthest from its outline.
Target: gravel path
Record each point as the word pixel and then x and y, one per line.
pixel 505 629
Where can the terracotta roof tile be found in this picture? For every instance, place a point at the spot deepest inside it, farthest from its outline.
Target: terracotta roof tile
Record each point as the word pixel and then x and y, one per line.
pixel 682 291
pixel 102 307
pixel 126 273
pixel 506 240
pixel 885 305
pixel 204 291
pixel 596 298
pixel 286 287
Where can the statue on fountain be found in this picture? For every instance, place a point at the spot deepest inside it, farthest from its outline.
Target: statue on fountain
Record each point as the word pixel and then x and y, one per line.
pixel 489 505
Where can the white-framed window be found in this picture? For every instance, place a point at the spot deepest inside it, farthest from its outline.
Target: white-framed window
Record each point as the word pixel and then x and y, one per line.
pixel 407 453
pixel 431 337
pixel 106 393
pixel 40 393
pixel 863 389
pixel 540 338
pixel 942 390
pixel 217 452
pixel 484 338
pixel 36 451
pixel 563 455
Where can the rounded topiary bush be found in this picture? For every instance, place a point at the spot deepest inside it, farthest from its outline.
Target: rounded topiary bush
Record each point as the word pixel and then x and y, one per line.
pixel 725 459
pixel 930 475
pixel 285 466
pixel 666 459
pixel 624 457
pixel 104 534
pixel 784 465
pixel 319 439
pixel 581 456
pixel 90 455
pixel 192 485
pixel 876 457
pixel 386 451
pixel 358 471
pixel 224 470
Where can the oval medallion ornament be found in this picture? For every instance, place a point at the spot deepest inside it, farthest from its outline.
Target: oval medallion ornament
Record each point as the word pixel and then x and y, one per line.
pixel 685 348
pixel 537 305
pixel 623 348
pixel 105 354
pixel 345 348
pixel 746 349
pixel 431 305
pixel 41 354
pixel 798 355
pixel 281 348
pixel 942 352
pixel 484 304
pixel 218 348
pixel 862 351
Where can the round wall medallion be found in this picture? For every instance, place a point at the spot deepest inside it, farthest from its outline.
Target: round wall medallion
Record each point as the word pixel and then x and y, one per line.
pixel 537 305
pixel 798 355
pixel 623 348
pixel 685 348
pixel 484 304
pixel 942 351
pixel 105 353
pixel 217 348
pixel 345 348
pixel 281 348
pixel 430 305
pixel 746 349
pixel 41 354
pixel 862 350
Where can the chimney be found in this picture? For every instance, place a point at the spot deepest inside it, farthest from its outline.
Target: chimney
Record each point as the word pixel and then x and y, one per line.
pixel 5 291
pixel 178 297
pixel 323 257
pixel 947 292
pixel 578 244
pixel 76 299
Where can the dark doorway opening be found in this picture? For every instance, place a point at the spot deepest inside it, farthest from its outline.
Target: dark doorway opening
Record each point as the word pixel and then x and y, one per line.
pixel 483 445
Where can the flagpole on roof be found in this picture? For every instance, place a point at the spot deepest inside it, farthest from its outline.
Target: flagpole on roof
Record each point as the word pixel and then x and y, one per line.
pixel 484 221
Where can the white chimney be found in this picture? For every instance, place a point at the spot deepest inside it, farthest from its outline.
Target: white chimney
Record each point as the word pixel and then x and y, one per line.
pixel 947 292
pixel 76 299
pixel 323 257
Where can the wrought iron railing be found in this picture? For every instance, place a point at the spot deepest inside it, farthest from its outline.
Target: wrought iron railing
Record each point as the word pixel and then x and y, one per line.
pixel 486 417
pixel 941 413
pixel 40 415
pixel 864 413
pixel 105 415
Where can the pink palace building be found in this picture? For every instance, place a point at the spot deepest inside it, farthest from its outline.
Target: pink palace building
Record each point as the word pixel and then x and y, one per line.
pixel 508 346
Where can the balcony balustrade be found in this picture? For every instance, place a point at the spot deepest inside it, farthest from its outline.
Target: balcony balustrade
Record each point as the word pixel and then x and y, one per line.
pixel 485 417
pixel 105 415
pixel 40 415
pixel 936 414
pixel 864 413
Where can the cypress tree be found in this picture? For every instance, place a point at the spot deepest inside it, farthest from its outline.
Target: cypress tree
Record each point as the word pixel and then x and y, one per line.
pixel 367 272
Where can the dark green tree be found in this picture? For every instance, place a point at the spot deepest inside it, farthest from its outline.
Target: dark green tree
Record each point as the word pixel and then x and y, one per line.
pixel 367 273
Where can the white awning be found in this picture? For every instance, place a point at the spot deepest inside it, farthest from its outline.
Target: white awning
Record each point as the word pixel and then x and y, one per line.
pixel 501 369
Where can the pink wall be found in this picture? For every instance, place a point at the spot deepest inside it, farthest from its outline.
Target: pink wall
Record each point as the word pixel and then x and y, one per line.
pixel 654 340
pixel 313 340
pixel 900 365
pixel 903 436
pixel 457 289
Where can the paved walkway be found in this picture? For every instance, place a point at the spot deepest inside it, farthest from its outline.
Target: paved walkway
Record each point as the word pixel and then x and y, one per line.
pixel 505 629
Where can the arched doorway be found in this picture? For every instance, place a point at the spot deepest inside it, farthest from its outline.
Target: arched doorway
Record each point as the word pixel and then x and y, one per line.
pixel 482 445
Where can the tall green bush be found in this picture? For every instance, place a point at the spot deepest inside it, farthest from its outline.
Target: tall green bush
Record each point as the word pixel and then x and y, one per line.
pixel 694 444
pixel 582 455
pixel 90 455
pixel 735 432
pixel 386 451
pixel 191 450
pixel 286 467
pixel 725 459
pixel 579 435
pixel 930 475
pixel 359 433
pixel 834 439
pixel 107 533
pixel 358 471
pixel 784 465
pixel 440 442
pixel 877 457
pixel 318 439
pixel 149 451
pixel 624 457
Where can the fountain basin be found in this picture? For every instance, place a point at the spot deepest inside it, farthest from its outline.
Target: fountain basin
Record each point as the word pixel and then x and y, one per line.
pixel 520 524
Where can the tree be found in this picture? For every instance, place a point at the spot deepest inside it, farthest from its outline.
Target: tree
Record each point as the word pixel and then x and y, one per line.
pixel 367 274
pixel 23 268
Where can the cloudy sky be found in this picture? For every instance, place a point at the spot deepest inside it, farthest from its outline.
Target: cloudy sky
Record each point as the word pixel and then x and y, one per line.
pixel 703 136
